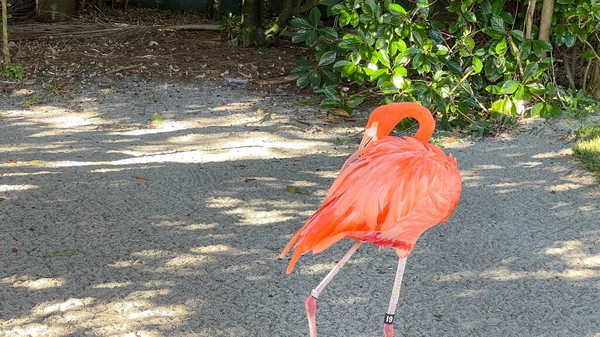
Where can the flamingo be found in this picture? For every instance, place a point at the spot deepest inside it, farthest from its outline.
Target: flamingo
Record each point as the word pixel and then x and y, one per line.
pixel 388 193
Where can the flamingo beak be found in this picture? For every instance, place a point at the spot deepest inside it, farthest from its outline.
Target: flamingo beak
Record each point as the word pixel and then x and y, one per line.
pixel 370 135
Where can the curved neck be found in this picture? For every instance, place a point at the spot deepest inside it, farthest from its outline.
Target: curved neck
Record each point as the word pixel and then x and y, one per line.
pixel 395 112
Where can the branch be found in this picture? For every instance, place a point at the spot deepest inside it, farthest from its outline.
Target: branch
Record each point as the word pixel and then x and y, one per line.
pixel 5 50
pixel 529 19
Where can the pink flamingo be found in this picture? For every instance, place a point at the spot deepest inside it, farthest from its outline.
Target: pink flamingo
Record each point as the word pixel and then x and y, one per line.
pixel 388 193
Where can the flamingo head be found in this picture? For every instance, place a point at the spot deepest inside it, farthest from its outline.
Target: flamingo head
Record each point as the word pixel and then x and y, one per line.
pixel 385 118
pixel 381 122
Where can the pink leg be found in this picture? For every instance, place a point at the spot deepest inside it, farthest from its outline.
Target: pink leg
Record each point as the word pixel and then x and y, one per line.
pixel 311 301
pixel 388 321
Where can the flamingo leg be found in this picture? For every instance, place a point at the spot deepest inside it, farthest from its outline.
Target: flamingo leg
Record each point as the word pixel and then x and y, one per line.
pixel 311 301
pixel 388 321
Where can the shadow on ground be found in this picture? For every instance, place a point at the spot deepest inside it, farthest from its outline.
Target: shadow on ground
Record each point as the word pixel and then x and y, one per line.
pixel 170 238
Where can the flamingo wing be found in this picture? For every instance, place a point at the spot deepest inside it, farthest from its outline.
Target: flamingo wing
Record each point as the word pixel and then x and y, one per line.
pixel 388 194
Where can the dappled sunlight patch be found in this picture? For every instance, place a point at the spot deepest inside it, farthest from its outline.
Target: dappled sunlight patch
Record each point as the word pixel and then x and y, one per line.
pixel 236 106
pixel 250 216
pixel 148 294
pixel 199 226
pixel 49 147
pixel 317 268
pixel 125 168
pixel 75 317
pixel 33 330
pixel 39 284
pixel 488 167
pixel 112 285
pixel 471 293
pixel 9 188
pixel 574 253
pixel 529 164
pixel 70 304
pixel 564 187
pixel 23 174
pixel 211 249
pixel 550 155
pixel 222 202
pixel 188 260
pixel 169 223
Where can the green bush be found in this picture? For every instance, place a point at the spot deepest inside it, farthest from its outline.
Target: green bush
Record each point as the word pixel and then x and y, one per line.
pixel 474 71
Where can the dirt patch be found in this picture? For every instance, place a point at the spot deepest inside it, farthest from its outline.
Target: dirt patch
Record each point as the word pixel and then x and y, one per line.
pixel 160 54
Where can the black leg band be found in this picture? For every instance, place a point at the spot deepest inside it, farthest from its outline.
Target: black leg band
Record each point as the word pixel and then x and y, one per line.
pixel 388 319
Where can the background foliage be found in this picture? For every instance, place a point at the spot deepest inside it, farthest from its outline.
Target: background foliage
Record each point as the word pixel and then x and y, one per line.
pixel 471 62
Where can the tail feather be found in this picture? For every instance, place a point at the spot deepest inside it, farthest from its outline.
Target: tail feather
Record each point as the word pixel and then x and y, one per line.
pixel 318 233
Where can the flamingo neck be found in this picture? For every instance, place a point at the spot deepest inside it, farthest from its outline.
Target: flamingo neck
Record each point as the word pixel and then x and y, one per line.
pixel 396 112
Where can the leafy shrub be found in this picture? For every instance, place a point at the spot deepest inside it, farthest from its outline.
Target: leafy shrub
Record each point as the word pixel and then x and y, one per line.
pixel 478 69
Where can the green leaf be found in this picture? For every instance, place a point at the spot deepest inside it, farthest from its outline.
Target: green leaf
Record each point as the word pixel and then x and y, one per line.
pixel 354 19
pixel 329 33
pixel 536 110
pixel 66 252
pixel 294 189
pixel 539 46
pixel 504 105
pixel 589 54
pixel 384 58
pixel 493 89
pixel 501 47
pixel 311 38
pixel 477 64
pixel 454 67
pixel 470 16
pixel 517 34
pixel 315 79
pixel 497 24
pixel 509 87
pixel 301 67
pixel 299 36
pixel 329 103
pixel 156 119
pixel 469 43
pixel 330 76
pixel 521 93
pixel 327 58
pixel 344 18
pixel 329 2
pixel 397 80
pixel 536 88
pixel 331 94
pixel 480 52
pixel 355 101
pixel 314 16
pixel 530 71
pixel 301 23
pixel 397 8
pixel 302 80
pixel 400 70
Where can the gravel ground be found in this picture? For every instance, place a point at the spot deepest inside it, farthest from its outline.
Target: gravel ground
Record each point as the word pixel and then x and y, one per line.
pixel 111 225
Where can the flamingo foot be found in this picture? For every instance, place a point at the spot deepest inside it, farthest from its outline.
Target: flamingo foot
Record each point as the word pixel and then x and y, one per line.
pixel 311 309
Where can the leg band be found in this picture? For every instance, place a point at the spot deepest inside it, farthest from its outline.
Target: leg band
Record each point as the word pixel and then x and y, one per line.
pixel 388 319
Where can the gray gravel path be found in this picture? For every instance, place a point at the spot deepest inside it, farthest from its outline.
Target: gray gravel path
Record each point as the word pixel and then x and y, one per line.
pixel 168 238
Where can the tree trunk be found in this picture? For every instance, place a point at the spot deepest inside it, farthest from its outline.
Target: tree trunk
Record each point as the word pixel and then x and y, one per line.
pixel 5 50
pixel 252 30
pixel 546 22
pixel 289 10
pixel 594 88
